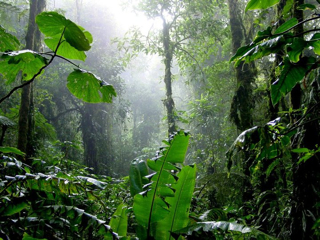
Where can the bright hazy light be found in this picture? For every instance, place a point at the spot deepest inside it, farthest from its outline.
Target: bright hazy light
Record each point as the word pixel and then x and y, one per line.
pixel 127 18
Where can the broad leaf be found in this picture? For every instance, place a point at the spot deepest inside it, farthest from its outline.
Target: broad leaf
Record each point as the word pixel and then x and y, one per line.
pixel 222 226
pixel 11 150
pixel 260 4
pixel 8 42
pixel 15 206
pixel 290 75
pixel 306 7
pixel 90 88
pixel 287 25
pixel 26 236
pixel 73 39
pixel 119 221
pixel 315 43
pixel 295 49
pixel 65 49
pixel 258 50
pixel 138 170
pixel 178 217
pixel 151 206
pixel 27 62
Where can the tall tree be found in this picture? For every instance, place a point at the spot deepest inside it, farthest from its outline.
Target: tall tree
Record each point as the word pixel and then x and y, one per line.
pixel 182 22
pixel 33 42
pixel 243 102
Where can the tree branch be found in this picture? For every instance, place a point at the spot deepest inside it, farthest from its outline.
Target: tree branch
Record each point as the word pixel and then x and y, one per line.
pixel 37 74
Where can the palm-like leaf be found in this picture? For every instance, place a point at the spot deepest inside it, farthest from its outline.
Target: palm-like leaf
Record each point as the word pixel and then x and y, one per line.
pixel 151 205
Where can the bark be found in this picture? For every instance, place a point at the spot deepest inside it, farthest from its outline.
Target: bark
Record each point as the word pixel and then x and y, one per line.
pixel 89 133
pixel 305 175
pixel 242 103
pixel 168 56
pixel 33 42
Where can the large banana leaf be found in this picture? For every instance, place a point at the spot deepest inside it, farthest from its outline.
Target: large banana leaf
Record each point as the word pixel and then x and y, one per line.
pixel 138 171
pixel 119 222
pixel 151 206
pixel 178 217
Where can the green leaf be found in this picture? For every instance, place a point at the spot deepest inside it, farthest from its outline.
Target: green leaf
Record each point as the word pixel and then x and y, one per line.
pixel 119 221
pixel 151 206
pixel 257 50
pixel 138 170
pixel 260 4
pixel 93 181
pixel 315 43
pixel 11 150
pixel 287 25
pixel 301 150
pixel 178 148
pixel 90 88
pixel 27 62
pixel 15 206
pixel 65 49
pixel 179 204
pixel 26 236
pixel 73 40
pixel 290 75
pixel 295 49
pixel 8 42
pixel 224 226
pixel 306 7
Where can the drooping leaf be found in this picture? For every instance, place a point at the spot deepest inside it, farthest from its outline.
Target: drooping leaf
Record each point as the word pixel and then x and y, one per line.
pixel 93 181
pixel 260 4
pixel 26 236
pixel 315 43
pixel 14 206
pixel 8 42
pixel 306 6
pixel 178 217
pixel 287 25
pixel 295 49
pixel 90 88
pixel 11 150
pixel 73 40
pixel 4 121
pixel 258 50
pixel 27 62
pixel 138 170
pixel 224 226
pixel 290 75
pixel 65 49
pixel 119 221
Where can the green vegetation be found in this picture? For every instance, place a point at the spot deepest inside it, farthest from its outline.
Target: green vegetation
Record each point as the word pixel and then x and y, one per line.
pixel 80 156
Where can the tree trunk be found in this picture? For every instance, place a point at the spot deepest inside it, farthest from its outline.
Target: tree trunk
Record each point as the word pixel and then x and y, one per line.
pixel 242 103
pixel 305 175
pixel 168 55
pixel 89 136
pixel 33 42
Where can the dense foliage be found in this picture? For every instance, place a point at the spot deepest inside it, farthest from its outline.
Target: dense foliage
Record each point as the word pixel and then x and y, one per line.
pixel 78 152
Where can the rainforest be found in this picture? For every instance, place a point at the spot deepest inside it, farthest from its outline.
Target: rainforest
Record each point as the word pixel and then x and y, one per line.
pixel 159 119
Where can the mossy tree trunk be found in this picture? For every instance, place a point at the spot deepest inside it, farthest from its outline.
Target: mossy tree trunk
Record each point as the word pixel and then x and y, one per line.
pixel 306 179
pixel 168 56
pixel 242 103
pixel 26 122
